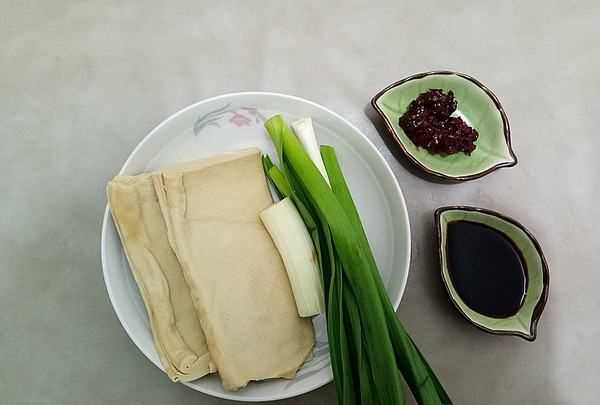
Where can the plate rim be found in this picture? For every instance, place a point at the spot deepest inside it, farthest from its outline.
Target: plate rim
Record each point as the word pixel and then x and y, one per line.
pixel 171 117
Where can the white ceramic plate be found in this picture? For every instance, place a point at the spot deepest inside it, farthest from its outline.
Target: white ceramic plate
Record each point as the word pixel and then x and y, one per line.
pixel 235 121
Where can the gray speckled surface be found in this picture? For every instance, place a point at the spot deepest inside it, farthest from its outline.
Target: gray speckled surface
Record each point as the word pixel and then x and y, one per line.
pixel 81 82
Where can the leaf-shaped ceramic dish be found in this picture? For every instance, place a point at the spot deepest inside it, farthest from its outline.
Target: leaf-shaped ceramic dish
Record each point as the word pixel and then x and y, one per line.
pixel 524 322
pixel 478 107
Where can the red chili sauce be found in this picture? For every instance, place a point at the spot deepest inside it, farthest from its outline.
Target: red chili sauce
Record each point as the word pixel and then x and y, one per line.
pixel 428 123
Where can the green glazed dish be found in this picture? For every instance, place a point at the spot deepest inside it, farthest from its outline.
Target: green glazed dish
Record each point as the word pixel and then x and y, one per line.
pixel 523 323
pixel 477 106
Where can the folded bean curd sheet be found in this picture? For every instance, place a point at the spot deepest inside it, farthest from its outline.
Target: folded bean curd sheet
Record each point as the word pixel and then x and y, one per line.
pixel 236 277
pixel 178 336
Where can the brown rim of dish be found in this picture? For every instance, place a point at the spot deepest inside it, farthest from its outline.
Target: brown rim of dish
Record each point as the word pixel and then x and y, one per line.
pixel 414 160
pixel 539 306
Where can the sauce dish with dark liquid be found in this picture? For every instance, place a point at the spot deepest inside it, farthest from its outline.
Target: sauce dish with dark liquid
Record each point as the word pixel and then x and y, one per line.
pixel 493 269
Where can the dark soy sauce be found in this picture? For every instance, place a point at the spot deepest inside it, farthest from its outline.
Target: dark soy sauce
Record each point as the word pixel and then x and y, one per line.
pixel 486 269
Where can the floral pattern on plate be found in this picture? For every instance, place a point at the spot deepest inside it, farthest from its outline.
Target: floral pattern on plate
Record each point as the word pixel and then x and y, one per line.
pixel 239 117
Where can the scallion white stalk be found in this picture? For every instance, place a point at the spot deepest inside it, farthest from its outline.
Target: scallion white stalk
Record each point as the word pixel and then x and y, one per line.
pixel 306 134
pixel 289 233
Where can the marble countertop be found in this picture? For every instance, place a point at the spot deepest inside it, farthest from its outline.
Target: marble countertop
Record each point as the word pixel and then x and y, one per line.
pixel 82 82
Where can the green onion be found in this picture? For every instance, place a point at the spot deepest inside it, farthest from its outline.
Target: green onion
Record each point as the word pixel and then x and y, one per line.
pixel 415 369
pixel 369 347
pixel 291 237
pixel 305 132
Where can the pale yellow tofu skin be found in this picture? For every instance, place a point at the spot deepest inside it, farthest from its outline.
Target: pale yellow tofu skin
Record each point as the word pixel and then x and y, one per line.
pixel 178 336
pixel 236 277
